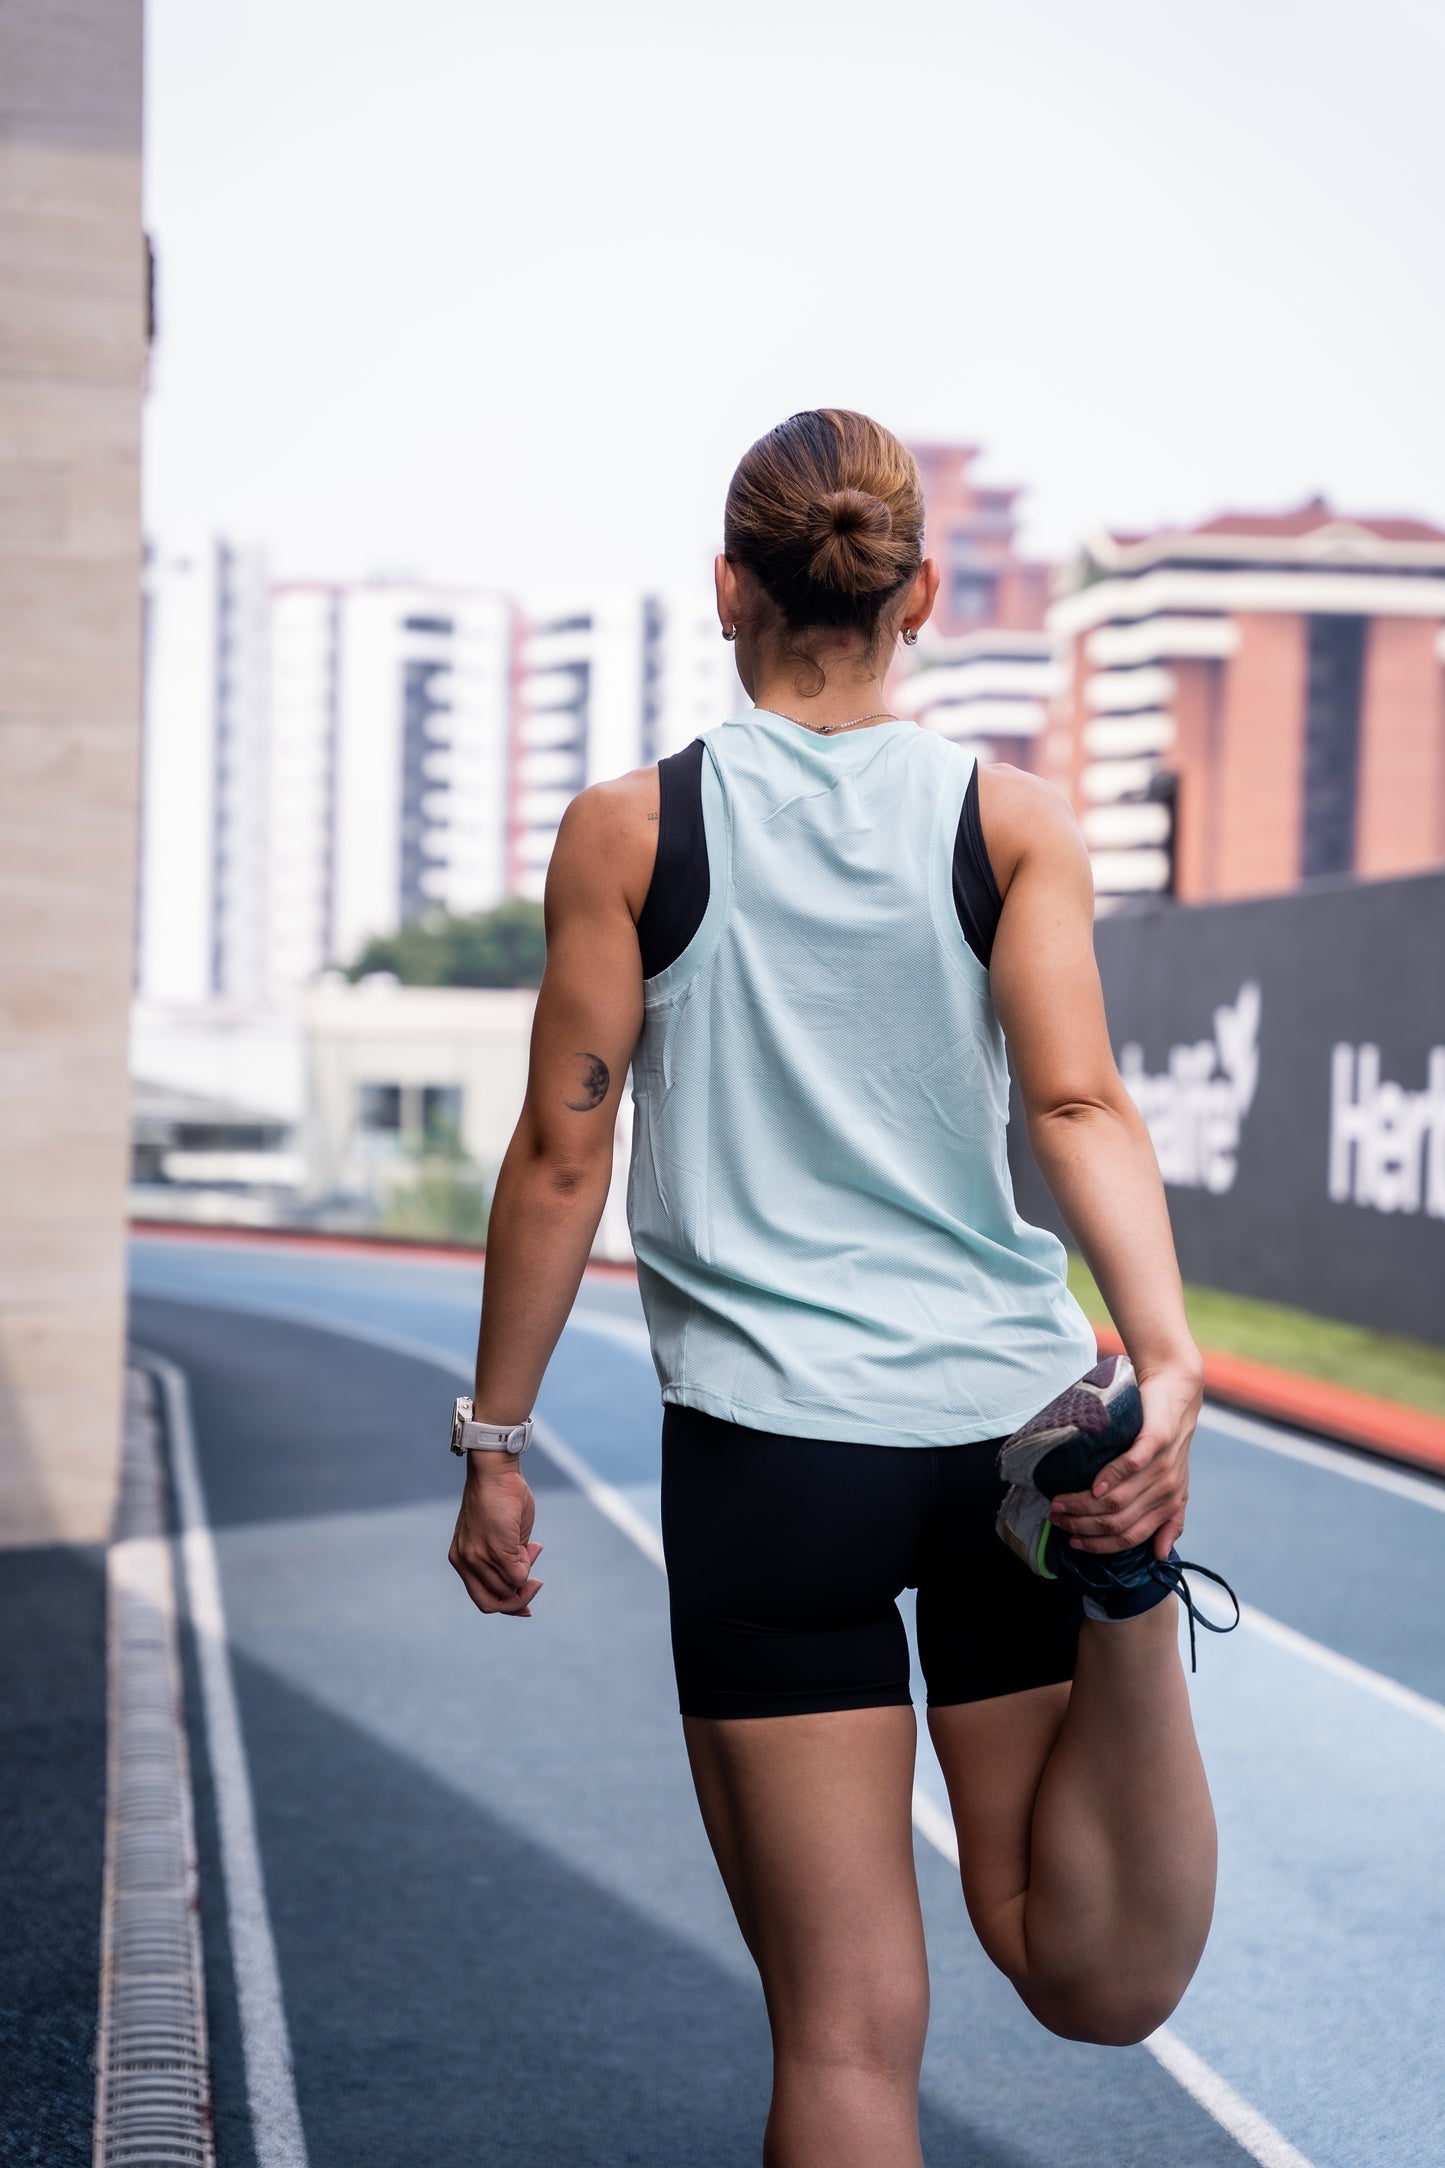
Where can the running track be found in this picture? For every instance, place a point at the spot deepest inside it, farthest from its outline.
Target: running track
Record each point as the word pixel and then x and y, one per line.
pixel 498 1932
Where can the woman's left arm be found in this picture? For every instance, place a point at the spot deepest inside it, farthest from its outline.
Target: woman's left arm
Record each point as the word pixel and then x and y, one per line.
pixel 1093 1151
pixel 554 1179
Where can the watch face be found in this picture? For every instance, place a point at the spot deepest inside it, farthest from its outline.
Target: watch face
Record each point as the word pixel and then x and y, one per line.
pixel 461 1412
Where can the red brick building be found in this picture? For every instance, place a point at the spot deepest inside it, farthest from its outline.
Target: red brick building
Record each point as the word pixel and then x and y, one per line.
pixel 983 671
pixel 971 531
pixel 1254 702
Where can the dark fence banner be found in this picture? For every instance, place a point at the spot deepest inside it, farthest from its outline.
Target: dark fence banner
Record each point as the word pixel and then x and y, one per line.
pixel 1288 1054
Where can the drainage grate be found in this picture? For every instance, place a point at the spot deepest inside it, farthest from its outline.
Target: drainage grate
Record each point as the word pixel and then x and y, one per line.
pixel 153 2088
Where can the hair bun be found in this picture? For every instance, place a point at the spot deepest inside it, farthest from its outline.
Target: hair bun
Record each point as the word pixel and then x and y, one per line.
pixel 826 513
pixel 850 533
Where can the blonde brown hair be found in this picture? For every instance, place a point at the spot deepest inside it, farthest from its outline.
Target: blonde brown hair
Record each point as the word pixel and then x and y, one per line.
pixel 826 511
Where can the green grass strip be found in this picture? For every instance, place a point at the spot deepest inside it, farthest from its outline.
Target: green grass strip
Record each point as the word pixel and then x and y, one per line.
pixel 1382 1363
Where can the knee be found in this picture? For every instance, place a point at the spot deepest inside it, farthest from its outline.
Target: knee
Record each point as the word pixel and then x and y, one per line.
pixel 1108 2013
pixel 875 2025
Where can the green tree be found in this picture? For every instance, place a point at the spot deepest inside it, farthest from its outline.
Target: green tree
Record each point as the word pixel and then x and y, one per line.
pixel 502 947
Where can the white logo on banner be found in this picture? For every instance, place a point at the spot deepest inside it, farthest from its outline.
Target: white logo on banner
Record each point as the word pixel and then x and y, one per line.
pixel 1387 1144
pixel 1196 1107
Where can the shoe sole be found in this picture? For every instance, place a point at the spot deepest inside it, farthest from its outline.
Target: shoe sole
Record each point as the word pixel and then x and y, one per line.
pixel 1084 1410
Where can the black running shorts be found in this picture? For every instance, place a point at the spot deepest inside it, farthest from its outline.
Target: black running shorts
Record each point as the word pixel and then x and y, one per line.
pixel 785 1557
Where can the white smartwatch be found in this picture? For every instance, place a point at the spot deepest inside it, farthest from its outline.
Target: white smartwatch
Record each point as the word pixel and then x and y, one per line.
pixel 470 1437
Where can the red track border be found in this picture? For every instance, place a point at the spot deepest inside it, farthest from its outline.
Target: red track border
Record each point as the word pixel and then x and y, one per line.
pixel 302 1238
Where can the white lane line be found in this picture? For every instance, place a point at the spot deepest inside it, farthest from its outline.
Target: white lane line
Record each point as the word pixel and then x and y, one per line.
pixel 1251 2130
pixel 628 1332
pixel 265 2041
pixel 609 1502
pixel 1343 1667
pixel 1333 1460
pixel 1245 2124
pixel 935 1823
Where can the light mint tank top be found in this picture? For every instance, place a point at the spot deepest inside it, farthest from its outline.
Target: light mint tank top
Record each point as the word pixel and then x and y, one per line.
pixel 819 1197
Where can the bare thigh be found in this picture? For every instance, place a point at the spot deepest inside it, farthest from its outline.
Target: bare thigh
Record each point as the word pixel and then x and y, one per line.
pixel 993 1755
pixel 1086 1834
pixel 810 1819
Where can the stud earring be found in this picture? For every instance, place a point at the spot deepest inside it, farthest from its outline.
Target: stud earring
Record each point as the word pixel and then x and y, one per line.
pixel 730 632
pixel 910 637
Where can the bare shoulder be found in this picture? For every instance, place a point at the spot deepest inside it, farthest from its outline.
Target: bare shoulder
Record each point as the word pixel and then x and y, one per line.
pixel 607 841
pixel 1023 817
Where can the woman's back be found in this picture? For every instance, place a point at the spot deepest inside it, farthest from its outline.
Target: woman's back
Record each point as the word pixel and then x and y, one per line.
pixel 820 1197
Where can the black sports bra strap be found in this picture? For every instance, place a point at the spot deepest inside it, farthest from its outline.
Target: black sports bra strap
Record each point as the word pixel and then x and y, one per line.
pixel 678 891
pixel 975 891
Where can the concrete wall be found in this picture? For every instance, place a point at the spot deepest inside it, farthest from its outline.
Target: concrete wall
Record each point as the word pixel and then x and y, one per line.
pixel 472 1037
pixel 72 358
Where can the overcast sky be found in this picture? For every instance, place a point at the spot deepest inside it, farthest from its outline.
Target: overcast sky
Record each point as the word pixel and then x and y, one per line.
pixel 501 294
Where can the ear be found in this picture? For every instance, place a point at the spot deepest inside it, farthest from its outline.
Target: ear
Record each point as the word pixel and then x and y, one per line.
pixel 729 591
pixel 921 595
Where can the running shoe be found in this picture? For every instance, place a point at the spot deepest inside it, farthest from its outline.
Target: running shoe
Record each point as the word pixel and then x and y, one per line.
pixel 1061 1450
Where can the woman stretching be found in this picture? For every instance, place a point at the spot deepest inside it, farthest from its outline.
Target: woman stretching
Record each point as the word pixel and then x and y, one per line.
pixel 811 935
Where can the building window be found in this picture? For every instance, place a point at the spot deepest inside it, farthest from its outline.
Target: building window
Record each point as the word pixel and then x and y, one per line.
pixel 425 724
pixel 441 1113
pixel 1336 656
pixel 414 1116
pixel 428 624
pixel 971 597
pixel 379 1109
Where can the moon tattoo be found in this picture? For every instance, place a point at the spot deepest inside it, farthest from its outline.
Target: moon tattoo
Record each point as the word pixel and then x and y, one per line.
pixel 591 1083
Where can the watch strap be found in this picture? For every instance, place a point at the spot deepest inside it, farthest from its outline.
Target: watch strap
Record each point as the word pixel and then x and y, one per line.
pixel 473 1437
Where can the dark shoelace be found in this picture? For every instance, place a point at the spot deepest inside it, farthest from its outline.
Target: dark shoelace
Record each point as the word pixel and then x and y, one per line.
pixel 1171 1572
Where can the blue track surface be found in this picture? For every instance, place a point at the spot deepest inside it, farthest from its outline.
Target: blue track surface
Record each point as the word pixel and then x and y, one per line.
pixel 553 1761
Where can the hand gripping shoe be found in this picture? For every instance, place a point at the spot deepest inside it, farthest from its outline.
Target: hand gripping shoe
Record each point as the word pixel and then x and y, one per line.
pixel 1061 1450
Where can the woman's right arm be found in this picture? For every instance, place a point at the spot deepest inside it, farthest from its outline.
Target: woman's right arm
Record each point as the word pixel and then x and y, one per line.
pixel 554 1180
pixel 1092 1148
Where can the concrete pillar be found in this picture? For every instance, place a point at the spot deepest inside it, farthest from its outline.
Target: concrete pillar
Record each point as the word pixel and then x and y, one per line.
pixel 72 364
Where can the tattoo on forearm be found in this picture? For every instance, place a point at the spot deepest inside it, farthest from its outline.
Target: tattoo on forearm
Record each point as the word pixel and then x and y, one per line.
pixel 591 1083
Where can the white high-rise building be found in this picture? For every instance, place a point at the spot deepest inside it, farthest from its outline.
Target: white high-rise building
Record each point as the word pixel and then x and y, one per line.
pixel 604 684
pixel 174 940
pixel 989 691
pixel 322 764
pixel 304 718
pixel 576 717
pixel 241 797
pixel 326 763
pixel 423 706
pixel 690 681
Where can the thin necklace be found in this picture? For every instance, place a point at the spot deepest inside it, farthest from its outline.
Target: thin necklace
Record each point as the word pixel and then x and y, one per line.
pixel 828 730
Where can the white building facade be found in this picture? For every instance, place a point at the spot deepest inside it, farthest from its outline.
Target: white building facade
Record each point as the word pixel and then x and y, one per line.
pixel 423 708
pixel 604 684
pixel 299 903
pixel 328 762
pixel 989 690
